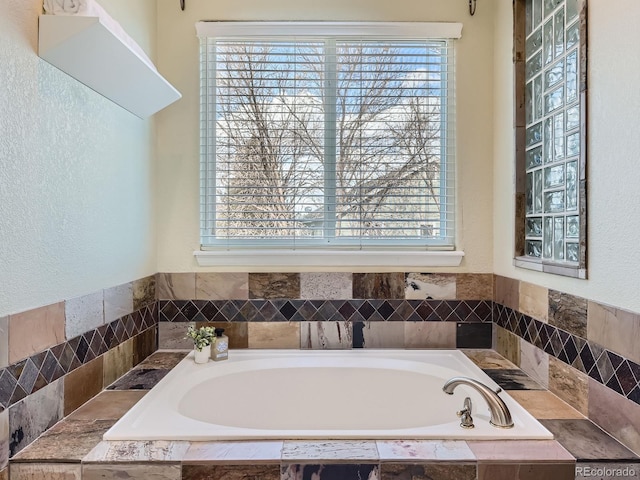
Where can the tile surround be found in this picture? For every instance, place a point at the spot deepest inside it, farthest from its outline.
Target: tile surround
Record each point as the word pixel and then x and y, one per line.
pixel 131 472
pixel 84 313
pixel 326 286
pixel 144 292
pixel 176 286
pixel 378 285
pixel 568 313
pixel 474 286
pixel 423 286
pixel 48 471
pixel 231 472
pixel 329 472
pixel 35 330
pixel 118 302
pixel 326 335
pixel 222 286
pixel 82 384
pixel 274 285
pixel 4 341
pixel 427 471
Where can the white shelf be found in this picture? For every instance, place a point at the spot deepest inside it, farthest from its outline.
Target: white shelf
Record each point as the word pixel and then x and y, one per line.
pixel 84 48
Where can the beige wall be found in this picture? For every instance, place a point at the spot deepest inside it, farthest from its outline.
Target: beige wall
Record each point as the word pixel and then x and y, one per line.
pixel 613 146
pixel 178 125
pixel 76 171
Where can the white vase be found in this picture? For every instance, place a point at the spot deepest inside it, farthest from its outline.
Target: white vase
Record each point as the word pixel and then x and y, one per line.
pixel 202 356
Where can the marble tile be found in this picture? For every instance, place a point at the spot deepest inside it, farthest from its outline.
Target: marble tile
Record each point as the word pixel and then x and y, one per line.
pixel 67 441
pixel 176 286
pixel 117 362
pixel 238 332
pixel 82 384
pixel 378 334
pixel 378 285
pixel 222 286
pixel 488 359
pixel 569 384
pixel 161 359
pixel 568 312
pixel 534 362
pixel 144 344
pixel 507 292
pixel 526 471
pixel 474 335
pixel 426 471
pixel 231 472
pixel 534 301
pixel 137 451
pixel 330 472
pixel 522 451
pixel 131 472
pixel 234 452
pixel 274 285
pixel 615 329
pixel 424 450
pixel 507 345
pixel 4 341
pixel 35 330
pixel 326 335
pixel 474 286
pixel 4 473
pixel 35 414
pixel 587 442
pixel 326 286
pixel 144 292
pixel 615 414
pixel 118 302
pixel 172 335
pixel 324 451
pixel 543 404
pixel 607 471
pixel 423 286
pixel 142 379
pixel 108 405
pixel 274 335
pixel 513 379
pixel 48 471
pixel 430 334
pixel 83 314
pixel 4 438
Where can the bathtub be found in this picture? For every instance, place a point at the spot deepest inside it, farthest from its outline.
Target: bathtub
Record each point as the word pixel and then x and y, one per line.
pixel 311 394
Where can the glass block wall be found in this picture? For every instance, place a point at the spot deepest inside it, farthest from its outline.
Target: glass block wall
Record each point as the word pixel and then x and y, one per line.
pixel 552 142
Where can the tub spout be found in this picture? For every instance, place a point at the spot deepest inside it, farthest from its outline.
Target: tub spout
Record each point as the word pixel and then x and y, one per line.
pixel 500 415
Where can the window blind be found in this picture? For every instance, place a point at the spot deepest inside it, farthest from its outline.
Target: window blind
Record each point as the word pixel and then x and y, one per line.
pixel 327 140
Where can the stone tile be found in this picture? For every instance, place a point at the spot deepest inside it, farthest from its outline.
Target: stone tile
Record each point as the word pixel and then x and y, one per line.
pixel 474 335
pixel 526 471
pixel 423 286
pixel 238 332
pixel 568 312
pixel 176 286
pixel 274 335
pixel 523 451
pixel 326 451
pixel 507 292
pixel 144 292
pixel 329 472
pixel 222 286
pixel 544 404
pixel 474 286
pixel 137 451
pixel 4 341
pixel 35 414
pixel 326 335
pixel 83 314
pixel 534 301
pixel 118 302
pixel 4 473
pixel 234 452
pixel 142 379
pixel 326 286
pixel 378 334
pixel 507 345
pixel 607 471
pixel 513 379
pixel 588 442
pixel 424 450
pixel 35 330
pixel 117 362
pixel 231 472
pixel 108 405
pixel 144 344
pixel 160 359
pixel 534 362
pixel 274 285
pixel 426 471
pixel 4 438
pixel 130 472
pixel 172 335
pixel 67 441
pixel 378 285
pixel 83 384
pixel 615 329
pixel 48 471
pixel 615 414
pixel 430 334
pixel 569 384
pixel 488 359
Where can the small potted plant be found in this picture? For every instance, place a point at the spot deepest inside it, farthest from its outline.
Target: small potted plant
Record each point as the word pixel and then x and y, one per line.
pixel 202 338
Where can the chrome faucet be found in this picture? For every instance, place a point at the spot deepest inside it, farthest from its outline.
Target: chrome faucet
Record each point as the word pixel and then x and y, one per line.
pixel 500 415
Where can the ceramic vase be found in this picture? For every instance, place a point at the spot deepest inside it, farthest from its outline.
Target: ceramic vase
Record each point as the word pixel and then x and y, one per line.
pixel 202 356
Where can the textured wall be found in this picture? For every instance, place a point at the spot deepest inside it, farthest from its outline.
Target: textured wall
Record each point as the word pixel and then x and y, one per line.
pixel 76 171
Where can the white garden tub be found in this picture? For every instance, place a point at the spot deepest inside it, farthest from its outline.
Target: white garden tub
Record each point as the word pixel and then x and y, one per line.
pixel 297 394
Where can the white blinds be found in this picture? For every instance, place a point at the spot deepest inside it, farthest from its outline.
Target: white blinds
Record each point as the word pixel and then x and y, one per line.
pixel 332 140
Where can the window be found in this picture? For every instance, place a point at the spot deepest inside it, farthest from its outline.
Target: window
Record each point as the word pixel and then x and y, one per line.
pixel 550 43
pixel 327 134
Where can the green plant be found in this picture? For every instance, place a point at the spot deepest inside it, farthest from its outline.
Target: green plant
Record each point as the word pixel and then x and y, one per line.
pixel 201 336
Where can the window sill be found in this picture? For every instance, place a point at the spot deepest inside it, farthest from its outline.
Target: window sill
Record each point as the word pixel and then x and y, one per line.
pixel 327 258
pixel 554 268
